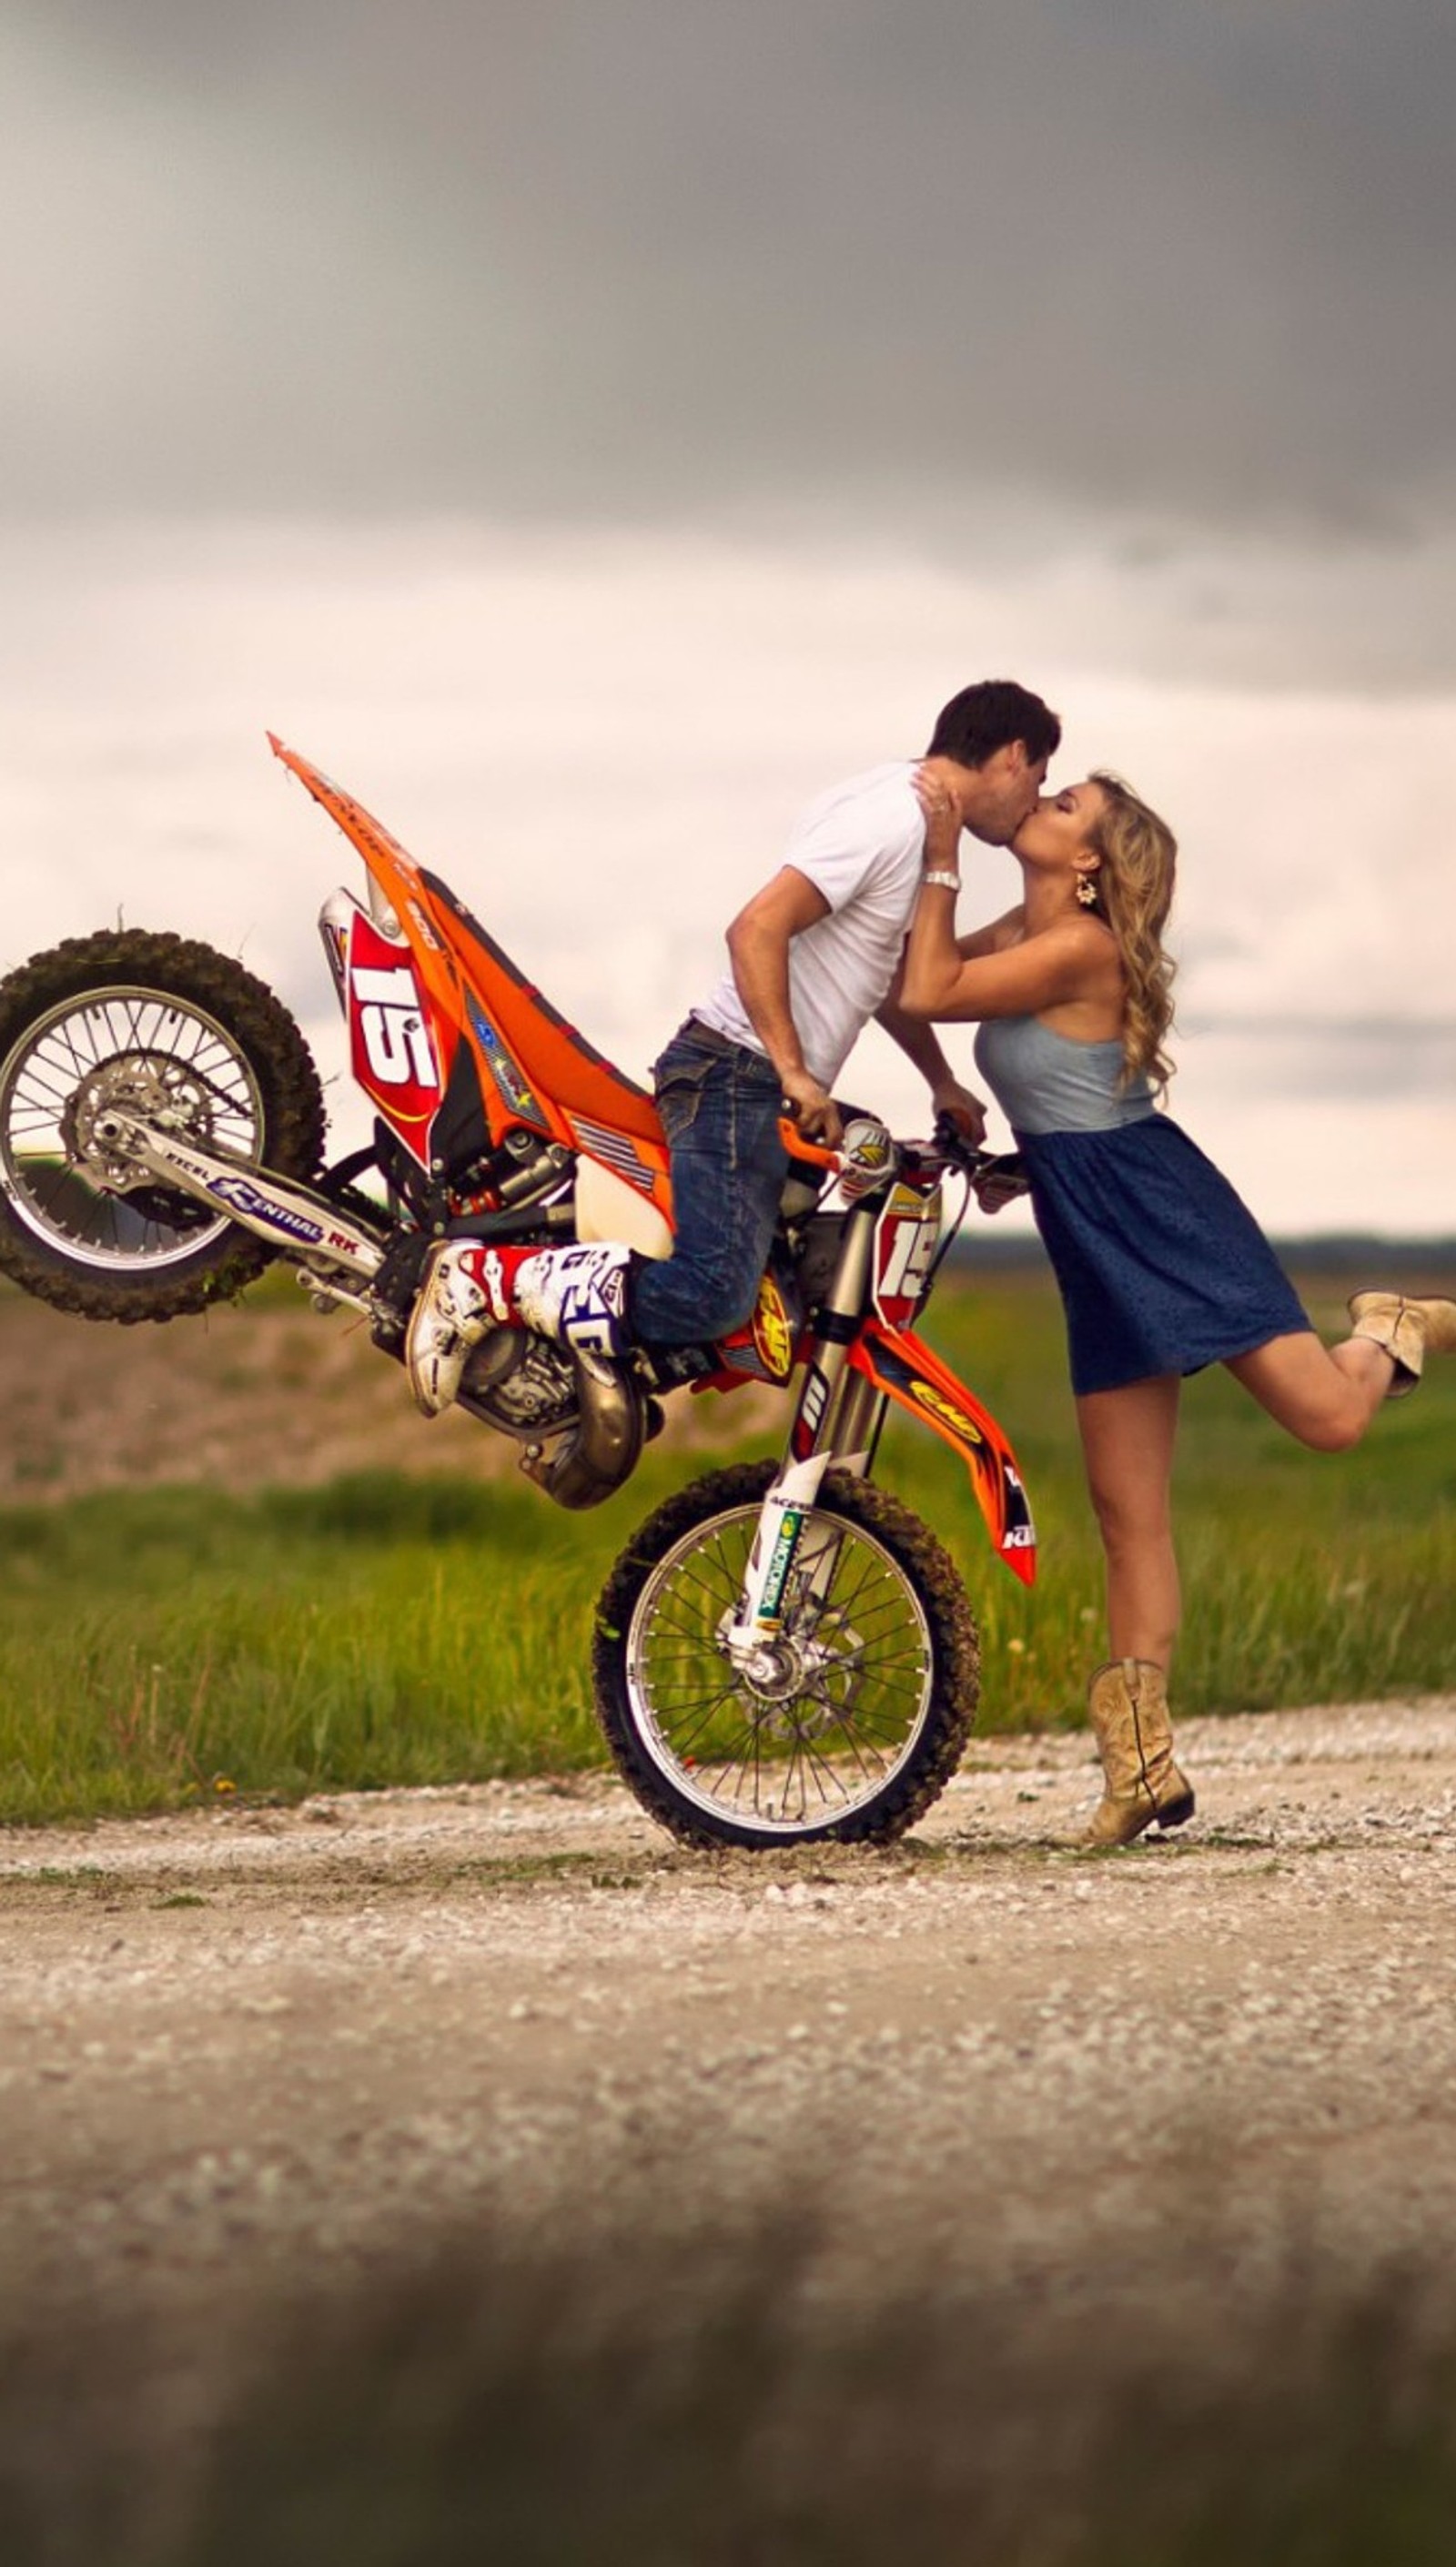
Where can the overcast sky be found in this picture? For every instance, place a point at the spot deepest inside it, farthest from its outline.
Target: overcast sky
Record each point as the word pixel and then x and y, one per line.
pixel 603 421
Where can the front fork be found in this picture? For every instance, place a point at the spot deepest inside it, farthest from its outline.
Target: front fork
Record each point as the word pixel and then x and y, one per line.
pixel 837 1421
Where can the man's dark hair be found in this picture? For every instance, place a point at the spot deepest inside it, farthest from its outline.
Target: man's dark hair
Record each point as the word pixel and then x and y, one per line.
pixel 981 720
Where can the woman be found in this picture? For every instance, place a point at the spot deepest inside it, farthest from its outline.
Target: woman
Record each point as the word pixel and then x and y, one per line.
pixel 1161 1266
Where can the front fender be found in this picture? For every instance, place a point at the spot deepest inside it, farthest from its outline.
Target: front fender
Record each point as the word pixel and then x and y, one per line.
pixel 909 1372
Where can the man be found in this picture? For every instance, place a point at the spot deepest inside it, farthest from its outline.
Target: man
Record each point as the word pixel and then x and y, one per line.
pixel 813 956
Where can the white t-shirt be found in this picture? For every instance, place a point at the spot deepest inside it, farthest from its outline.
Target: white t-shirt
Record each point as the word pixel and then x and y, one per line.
pixel 861 845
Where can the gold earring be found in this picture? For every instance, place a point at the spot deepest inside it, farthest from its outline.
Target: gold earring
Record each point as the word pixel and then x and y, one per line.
pixel 1086 891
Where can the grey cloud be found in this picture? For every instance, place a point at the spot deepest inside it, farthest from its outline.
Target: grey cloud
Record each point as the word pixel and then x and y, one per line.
pixel 1365 1058
pixel 1182 269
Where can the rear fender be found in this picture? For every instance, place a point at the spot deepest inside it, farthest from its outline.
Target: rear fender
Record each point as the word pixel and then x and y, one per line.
pixel 533 1069
pixel 908 1372
pixel 405 1034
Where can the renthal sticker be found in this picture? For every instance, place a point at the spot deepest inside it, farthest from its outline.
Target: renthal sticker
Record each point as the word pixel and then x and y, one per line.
pixel 780 1564
pixel 391 1029
pixel 1018 1537
pixel 773 1334
pixel 947 1411
pixel 244 1197
pixel 502 1068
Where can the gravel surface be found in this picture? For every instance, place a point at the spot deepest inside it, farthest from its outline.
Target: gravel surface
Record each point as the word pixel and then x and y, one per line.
pixel 233 2040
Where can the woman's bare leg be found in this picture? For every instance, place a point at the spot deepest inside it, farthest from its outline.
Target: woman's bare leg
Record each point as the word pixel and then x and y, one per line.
pixel 1128 1437
pixel 1325 1396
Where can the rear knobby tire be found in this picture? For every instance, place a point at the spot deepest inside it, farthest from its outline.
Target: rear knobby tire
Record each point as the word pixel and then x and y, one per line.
pixel 708 1527
pixel 156 1000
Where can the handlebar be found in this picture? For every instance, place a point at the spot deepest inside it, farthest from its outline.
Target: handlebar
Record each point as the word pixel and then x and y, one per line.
pixel 1005 1167
pixel 947 1148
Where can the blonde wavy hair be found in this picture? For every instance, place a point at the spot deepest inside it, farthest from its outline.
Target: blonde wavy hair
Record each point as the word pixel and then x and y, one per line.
pixel 1134 894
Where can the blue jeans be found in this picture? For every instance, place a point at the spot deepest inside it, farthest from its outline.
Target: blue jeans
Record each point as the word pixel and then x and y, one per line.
pixel 719 1104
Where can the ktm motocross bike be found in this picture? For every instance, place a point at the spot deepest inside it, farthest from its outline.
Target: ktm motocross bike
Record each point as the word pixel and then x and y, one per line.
pixel 783 1651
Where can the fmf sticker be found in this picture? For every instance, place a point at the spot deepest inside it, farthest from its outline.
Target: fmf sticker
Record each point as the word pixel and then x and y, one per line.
pixel 946 1410
pixel 773 1333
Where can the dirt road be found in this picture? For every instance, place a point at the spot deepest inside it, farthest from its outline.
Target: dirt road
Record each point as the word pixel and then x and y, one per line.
pixel 233 2040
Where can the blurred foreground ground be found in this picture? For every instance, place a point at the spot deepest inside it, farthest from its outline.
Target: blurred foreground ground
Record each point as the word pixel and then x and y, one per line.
pixel 470 2174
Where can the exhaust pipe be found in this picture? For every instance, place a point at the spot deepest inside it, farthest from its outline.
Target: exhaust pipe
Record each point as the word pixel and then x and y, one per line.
pixel 605 1446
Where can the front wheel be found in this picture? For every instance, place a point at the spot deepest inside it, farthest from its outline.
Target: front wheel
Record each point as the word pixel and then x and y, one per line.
pixel 867 1713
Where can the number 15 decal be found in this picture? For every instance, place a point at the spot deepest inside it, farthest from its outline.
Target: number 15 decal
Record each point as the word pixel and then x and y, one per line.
pixel 391 1029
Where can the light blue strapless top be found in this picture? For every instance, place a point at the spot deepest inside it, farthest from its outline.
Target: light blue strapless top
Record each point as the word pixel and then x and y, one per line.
pixel 1048 1083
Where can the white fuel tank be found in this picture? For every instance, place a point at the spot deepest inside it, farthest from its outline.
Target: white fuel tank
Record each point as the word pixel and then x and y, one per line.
pixel 608 1207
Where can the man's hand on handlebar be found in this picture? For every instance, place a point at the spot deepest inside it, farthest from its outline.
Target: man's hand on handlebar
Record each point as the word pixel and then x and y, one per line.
pixel 812 1108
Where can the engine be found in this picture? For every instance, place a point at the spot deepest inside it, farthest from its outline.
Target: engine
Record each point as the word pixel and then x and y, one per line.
pixel 522 1384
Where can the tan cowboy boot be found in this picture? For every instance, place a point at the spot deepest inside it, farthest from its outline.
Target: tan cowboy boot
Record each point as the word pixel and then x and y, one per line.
pixel 1407 1331
pixel 1141 1784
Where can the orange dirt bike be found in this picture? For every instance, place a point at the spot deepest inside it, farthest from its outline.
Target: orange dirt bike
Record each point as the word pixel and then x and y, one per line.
pixel 782 1653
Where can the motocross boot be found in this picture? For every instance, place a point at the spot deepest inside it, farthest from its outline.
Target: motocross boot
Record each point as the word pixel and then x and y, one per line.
pixel 575 1295
pixel 465 1292
pixel 1128 1703
pixel 1406 1331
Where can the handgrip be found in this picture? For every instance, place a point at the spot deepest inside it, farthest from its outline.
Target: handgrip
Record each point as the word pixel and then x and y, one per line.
pixel 798 1145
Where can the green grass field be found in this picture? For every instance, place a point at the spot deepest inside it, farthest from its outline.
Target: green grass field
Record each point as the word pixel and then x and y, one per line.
pixel 161 1647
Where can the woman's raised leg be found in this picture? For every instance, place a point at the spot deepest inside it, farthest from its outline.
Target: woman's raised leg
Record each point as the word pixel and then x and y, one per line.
pixel 1325 1396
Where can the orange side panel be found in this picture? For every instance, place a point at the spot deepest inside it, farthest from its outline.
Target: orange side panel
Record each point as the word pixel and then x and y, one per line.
pixel 912 1373
pixel 560 1063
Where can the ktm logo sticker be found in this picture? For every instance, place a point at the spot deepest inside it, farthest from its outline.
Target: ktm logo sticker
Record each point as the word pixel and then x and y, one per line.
pixel 946 1410
pixel 773 1334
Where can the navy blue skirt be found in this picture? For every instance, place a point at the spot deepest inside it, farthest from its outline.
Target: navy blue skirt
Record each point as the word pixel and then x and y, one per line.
pixel 1162 1267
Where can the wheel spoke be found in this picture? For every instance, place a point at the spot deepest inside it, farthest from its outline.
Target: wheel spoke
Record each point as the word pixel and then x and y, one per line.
pixel 834 1708
pixel 121 1048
